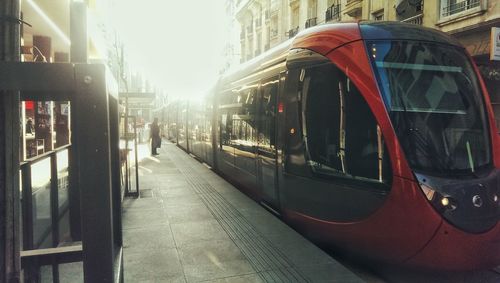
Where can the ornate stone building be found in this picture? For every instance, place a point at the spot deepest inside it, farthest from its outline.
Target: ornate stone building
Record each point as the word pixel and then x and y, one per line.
pixel 266 23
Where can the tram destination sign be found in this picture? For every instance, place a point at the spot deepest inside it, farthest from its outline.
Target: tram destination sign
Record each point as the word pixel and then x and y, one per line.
pixel 495 44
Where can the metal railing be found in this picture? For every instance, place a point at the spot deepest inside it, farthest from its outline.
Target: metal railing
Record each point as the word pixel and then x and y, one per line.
pixel 333 13
pixel 311 22
pixel 416 20
pixel 458 7
pixel 129 182
pixel 291 33
pixel 45 205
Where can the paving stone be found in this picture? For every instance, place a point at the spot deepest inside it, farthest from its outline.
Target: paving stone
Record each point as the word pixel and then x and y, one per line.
pixel 252 278
pixel 141 240
pixel 300 251
pixel 196 227
pixel 144 218
pixel 178 191
pixel 153 266
pixel 189 233
pixel 182 200
pixel 188 213
pixel 142 203
pixel 202 272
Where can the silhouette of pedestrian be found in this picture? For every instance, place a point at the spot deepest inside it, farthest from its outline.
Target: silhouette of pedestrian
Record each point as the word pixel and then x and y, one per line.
pixel 155 137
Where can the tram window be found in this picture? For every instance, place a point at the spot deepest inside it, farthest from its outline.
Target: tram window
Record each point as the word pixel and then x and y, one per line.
pixel 436 105
pixel 226 106
pixel 268 113
pixel 342 135
pixel 243 132
pixel 322 119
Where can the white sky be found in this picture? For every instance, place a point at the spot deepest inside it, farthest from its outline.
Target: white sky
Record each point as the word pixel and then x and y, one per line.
pixel 176 44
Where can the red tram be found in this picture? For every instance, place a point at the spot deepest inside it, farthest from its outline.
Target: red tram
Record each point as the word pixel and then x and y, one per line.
pixel 373 138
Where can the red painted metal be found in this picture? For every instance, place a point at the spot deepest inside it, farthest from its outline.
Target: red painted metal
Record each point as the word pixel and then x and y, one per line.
pixel 406 229
pixel 495 138
pixel 324 38
pixel 453 249
pixel 397 231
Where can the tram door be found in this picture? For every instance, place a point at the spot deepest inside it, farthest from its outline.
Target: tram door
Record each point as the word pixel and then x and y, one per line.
pixel 266 147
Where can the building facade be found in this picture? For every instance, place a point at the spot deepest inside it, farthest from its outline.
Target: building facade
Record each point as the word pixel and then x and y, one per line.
pixel 266 23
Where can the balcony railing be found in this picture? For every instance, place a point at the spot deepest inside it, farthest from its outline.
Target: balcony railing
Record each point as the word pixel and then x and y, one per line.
pixel 311 22
pixel 459 7
pixel 333 13
pixel 416 20
pixel 291 33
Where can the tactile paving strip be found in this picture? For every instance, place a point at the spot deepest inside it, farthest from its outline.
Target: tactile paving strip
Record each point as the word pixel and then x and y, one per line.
pixel 267 260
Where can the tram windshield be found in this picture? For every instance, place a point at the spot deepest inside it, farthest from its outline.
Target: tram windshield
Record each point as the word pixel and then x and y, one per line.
pixel 435 104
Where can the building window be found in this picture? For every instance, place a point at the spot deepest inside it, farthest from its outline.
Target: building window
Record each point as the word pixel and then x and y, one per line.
pixel 451 7
pixel 343 139
pixel 378 16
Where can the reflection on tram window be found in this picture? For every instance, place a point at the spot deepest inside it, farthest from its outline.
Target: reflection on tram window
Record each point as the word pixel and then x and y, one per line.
pixel 342 135
pixel 237 118
pixel 435 104
pixel 269 92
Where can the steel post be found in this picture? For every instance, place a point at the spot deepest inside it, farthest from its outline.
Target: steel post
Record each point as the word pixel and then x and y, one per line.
pixel 91 120
pixel 78 54
pixel 10 264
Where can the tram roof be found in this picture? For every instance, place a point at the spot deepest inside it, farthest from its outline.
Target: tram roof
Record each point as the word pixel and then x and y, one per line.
pixel 386 30
pixel 324 38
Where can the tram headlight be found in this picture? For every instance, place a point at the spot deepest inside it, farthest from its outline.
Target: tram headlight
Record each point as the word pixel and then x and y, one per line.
pixel 438 200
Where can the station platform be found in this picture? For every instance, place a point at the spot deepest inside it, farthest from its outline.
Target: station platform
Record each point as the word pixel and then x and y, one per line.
pixel 190 225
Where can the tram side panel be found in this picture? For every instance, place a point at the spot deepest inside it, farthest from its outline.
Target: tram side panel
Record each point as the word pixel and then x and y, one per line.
pixel 195 129
pixel 208 130
pixel 182 127
pixel 172 122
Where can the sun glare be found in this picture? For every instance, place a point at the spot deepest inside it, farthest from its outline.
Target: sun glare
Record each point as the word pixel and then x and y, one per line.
pixel 178 45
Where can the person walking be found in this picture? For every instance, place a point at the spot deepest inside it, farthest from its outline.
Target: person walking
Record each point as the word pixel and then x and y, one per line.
pixel 155 137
